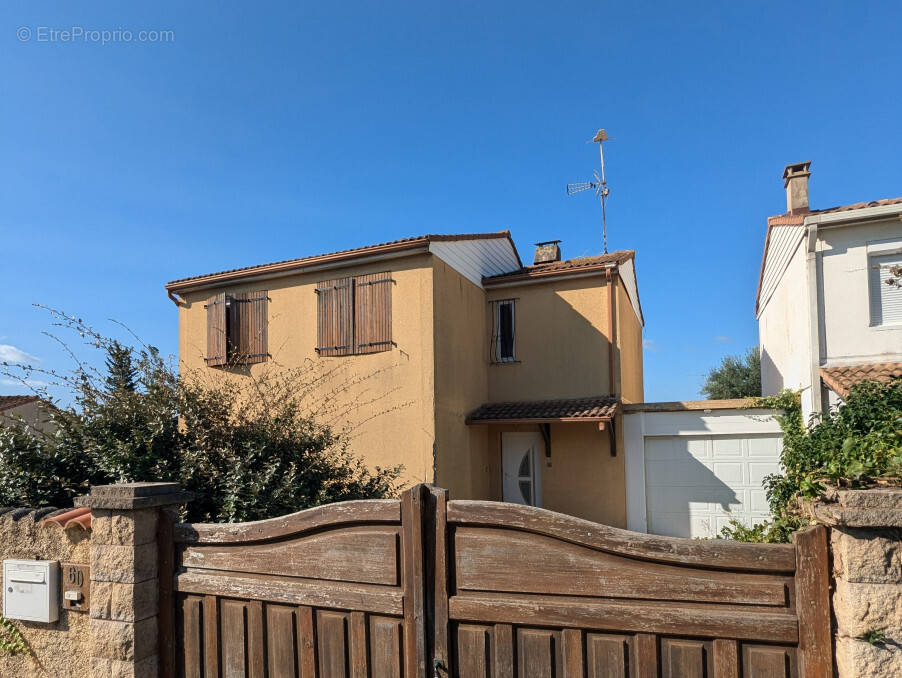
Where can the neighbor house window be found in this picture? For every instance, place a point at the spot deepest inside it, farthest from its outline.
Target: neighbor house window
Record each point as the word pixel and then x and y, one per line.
pixel 503 348
pixel 237 328
pixel 884 288
pixel 354 315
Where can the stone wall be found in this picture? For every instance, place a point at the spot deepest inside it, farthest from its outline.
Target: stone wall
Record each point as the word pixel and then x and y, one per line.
pixel 61 649
pixel 866 544
pixel 119 636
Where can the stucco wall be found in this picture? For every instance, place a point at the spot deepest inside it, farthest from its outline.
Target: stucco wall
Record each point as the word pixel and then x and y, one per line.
pixel 61 649
pixel 386 398
pixel 461 383
pixel 561 341
pixel 33 413
pixel 783 331
pixel 843 286
pixel 629 354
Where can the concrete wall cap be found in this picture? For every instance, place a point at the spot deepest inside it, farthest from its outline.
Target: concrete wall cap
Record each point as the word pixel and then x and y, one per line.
pixel 127 496
pixel 878 507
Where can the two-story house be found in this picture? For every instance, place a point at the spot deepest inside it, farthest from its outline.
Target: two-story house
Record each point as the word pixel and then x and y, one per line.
pixel 826 316
pixel 446 354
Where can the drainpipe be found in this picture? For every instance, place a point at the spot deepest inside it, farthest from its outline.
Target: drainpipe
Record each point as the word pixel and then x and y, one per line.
pixel 814 319
pixel 613 341
pixel 608 274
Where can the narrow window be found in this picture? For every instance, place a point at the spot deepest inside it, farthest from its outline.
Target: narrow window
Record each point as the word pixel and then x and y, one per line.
pixel 885 289
pixel 503 345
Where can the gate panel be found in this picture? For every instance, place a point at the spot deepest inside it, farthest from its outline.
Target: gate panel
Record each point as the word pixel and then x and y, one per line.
pixel 316 593
pixel 545 594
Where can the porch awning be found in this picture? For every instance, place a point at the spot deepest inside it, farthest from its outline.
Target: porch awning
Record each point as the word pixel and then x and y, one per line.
pixel 598 409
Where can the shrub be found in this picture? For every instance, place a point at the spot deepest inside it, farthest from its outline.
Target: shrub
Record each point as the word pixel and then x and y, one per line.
pixel 857 444
pixel 247 447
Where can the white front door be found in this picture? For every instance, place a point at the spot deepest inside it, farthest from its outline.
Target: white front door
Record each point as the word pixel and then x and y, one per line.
pixel 521 455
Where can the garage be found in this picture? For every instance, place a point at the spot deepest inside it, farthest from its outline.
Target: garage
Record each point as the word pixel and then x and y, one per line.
pixel 694 466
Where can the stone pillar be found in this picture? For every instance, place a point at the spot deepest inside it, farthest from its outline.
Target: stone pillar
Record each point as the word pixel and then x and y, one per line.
pixel 866 540
pixel 125 582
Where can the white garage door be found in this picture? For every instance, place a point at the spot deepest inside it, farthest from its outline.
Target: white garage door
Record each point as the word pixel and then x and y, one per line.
pixel 695 485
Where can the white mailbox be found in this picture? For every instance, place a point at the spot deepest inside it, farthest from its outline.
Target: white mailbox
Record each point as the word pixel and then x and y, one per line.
pixel 31 590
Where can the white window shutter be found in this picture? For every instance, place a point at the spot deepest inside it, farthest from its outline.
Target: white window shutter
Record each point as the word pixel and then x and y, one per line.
pixel 886 300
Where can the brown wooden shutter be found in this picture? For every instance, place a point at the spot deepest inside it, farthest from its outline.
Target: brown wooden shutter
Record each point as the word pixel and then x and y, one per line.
pixel 372 312
pixel 254 332
pixel 216 330
pixel 335 322
pixel 248 327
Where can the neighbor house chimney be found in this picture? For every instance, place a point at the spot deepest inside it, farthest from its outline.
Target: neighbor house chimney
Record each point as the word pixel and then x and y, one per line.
pixel 796 185
pixel 547 252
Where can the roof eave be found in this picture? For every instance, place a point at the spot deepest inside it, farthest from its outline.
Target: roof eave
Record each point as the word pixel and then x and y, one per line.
pixel 517 278
pixel 863 214
pixel 420 245
pixel 538 420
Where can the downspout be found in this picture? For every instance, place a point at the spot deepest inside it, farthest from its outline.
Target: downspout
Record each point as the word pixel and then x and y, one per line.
pixel 611 339
pixel 813 320
pixel 608 274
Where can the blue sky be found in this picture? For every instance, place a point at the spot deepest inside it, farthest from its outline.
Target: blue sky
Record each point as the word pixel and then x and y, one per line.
pixel 264 131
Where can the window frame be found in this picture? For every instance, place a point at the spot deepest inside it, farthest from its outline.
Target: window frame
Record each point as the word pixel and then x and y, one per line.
pixel 497 341
pixel 877 252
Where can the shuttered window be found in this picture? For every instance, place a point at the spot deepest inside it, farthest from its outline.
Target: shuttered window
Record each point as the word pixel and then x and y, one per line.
pixel 354 315
pixel 885 299
pixel 237 332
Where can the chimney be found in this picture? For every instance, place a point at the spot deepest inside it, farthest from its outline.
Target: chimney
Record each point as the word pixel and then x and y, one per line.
pixel 796 185
pixel 547 252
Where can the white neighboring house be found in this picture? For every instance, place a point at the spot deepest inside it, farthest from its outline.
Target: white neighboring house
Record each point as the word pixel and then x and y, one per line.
pixel 826 317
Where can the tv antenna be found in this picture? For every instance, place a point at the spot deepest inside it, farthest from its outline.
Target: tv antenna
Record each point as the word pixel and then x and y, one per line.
pixel 600 185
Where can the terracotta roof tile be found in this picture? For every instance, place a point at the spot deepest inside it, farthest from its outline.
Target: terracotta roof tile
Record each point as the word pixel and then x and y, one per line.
pixel 561 267
pixel 794 219
pixel 841 379
pixel 8 402
pixel 78 517
pixel 403 243
pixel 600 408
pixel 860 205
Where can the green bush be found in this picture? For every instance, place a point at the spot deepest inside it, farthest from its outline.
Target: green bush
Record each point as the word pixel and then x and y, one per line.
pixel 856 444
pixel 245 446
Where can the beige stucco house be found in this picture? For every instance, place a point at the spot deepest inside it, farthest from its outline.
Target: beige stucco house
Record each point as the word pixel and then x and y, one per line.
pixel 495 379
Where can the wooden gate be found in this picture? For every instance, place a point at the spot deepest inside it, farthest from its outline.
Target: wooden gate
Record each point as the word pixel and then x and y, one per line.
pixel 426 587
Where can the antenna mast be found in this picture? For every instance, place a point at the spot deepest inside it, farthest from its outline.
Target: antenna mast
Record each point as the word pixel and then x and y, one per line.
pixel 600 185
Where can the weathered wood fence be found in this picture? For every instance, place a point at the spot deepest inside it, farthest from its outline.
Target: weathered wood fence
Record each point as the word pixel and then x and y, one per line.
pixel 423 587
